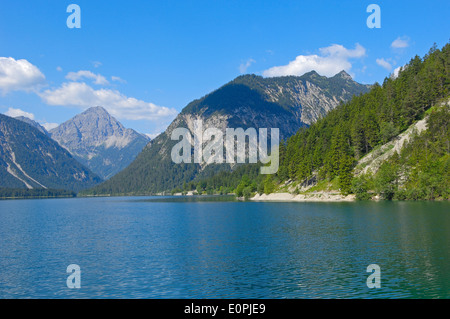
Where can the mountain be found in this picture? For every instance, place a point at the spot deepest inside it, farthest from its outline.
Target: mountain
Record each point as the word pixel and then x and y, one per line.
pixel 287 103
pixel 99 141
pixel 30 159
pixel 391 143
pixel 32 123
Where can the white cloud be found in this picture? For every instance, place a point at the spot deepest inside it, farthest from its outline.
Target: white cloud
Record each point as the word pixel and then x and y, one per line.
pixel 332 59
pixel 96 64
pixel 81 95
pixel 59 69
pixel 385 64
pixel 244 66
pixel 400 43
pixel 395 73
pixel 98 78
pixel 18 112
pixel 117 79
pixel 19 75
pixel 49 126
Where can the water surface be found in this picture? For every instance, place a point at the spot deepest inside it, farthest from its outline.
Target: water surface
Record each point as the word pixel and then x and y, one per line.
pixel 144 247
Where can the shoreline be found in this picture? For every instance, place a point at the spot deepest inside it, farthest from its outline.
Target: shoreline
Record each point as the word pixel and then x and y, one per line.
pixel 313 197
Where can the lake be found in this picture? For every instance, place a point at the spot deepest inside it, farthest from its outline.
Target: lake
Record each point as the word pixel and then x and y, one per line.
pixel 153 247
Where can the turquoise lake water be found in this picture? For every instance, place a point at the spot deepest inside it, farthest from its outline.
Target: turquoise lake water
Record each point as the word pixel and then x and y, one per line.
pixel 146 247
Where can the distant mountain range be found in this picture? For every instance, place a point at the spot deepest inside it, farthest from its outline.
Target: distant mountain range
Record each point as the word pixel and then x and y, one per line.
pixel 96 146
pixel 287 103
pixel 29 158
pixel 99 141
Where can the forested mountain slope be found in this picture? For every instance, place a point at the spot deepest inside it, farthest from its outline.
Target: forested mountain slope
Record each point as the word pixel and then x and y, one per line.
pixel 30 159
pixel 331 146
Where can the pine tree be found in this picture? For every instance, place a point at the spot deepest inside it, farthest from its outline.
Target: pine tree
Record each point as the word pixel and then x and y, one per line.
pixel 346 174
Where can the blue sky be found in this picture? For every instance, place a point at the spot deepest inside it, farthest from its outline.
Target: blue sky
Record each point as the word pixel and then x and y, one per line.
pixel 146 60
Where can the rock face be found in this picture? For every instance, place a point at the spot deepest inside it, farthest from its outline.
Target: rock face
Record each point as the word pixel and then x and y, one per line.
pixel 31 159
pixel 99 141
pixel 287 103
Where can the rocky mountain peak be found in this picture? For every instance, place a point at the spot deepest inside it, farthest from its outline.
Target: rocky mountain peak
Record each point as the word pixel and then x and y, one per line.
pixel 99 141
pixel 90 128
pixel 344 75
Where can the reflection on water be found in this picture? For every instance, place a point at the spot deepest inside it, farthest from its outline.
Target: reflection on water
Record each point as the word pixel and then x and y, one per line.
pixel 169 248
